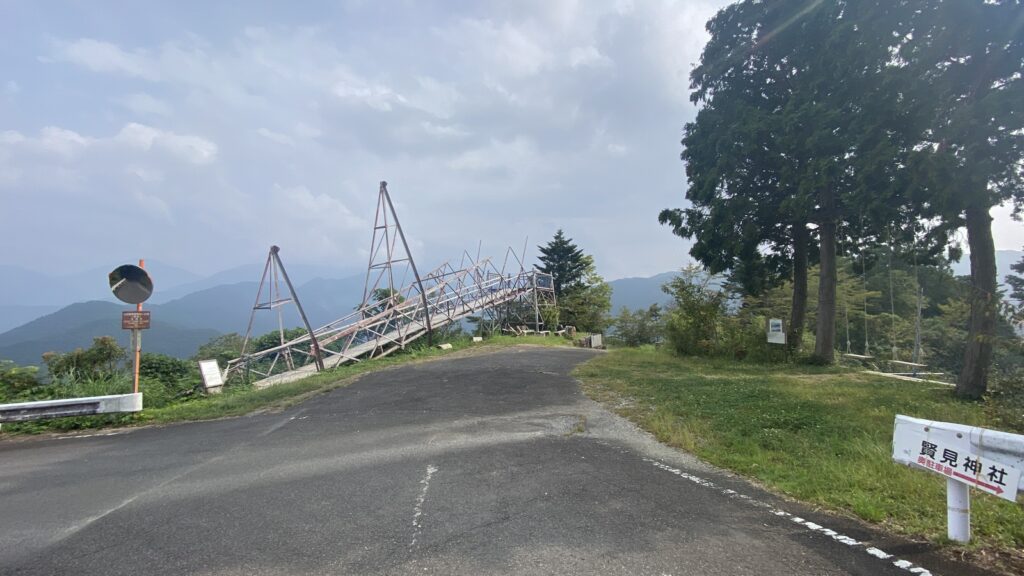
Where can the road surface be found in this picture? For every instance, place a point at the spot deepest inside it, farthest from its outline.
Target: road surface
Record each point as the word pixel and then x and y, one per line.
pixel 486 464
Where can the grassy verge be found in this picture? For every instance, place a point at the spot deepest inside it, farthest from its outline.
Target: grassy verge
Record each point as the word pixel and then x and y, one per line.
pixel 821 435
pixel 240 400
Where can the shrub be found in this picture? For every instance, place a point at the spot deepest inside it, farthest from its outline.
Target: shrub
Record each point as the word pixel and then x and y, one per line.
pixel 692 324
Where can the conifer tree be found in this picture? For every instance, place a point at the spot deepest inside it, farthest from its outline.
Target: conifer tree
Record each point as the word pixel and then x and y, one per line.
pixel 565 261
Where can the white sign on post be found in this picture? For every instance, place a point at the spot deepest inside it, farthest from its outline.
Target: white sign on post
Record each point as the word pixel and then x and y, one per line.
pixel 988 460
pixel 949 453
pixel 212 379
pixel 775 333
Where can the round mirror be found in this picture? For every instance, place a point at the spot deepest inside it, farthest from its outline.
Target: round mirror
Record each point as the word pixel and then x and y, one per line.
pixel 131 284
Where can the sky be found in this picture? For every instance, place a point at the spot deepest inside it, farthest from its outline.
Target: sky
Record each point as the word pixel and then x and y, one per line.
pixel 200 133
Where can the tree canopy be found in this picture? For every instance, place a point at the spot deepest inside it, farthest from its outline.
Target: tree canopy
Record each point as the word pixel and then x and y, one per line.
pixel 565 261
pixel 851 123
pixel 584 298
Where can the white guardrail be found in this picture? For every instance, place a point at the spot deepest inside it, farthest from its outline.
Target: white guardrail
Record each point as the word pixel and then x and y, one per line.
pixel 967 456
pixel 24 411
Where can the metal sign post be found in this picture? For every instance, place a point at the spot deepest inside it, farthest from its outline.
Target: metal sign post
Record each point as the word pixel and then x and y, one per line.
pixel 987 460
pixel 132 285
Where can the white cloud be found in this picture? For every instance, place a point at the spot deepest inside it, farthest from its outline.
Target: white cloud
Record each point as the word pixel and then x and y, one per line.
pixel 352 87
pixel 517 153
pixel 100 56
pixel 61 141
pixel 496 100
pixel 616 149
pixel 60 158
pixel 316 225
pixel 11 88
pixel 11 137
pixel 587 56
pixel 443 130
pixel 436 98
pixel 145 174
pixel 144 104
pixel 153 206
pixel 303 130
pixel 192 149
pixel 277 137
pixel 506 48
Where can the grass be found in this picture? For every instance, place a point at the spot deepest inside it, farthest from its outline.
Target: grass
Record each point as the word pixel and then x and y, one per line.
pixel 240 400
pixel 820 435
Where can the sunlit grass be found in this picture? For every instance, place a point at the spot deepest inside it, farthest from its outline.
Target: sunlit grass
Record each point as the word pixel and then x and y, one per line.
pixel 822 435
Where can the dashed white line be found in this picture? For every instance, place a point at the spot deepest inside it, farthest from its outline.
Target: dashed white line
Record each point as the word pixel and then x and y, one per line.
pixel 417 510
pixel 878 553
pixel 90 435
pixel 853 543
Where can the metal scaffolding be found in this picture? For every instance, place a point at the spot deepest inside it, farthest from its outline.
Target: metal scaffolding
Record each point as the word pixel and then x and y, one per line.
pixel 394 313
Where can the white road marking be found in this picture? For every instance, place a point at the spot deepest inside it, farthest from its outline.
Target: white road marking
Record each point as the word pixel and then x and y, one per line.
pixel 903 564
pixel 90 435
pixel 417 511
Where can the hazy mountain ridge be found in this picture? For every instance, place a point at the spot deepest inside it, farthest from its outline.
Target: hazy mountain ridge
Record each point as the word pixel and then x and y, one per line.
pixel 181 324
pixel 76 325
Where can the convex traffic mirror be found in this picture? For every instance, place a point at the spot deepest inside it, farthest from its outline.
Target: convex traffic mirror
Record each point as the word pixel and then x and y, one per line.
pixel 131 284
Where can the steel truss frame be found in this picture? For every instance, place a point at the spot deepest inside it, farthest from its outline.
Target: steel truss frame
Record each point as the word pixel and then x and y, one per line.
pixel 393 315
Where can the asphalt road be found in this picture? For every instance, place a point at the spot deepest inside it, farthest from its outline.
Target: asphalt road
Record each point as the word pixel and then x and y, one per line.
pixel 487 464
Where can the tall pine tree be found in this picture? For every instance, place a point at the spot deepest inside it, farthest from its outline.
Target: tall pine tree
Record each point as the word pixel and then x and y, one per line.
pixel 565 261
pixel 584 298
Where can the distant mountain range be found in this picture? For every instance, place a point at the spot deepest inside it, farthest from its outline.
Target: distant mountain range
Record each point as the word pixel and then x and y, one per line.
pixel 189 310
pixel 635 293
pixel 179 326
pixel 75 326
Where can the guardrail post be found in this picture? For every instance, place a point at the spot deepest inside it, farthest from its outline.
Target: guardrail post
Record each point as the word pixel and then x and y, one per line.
pixel 958 511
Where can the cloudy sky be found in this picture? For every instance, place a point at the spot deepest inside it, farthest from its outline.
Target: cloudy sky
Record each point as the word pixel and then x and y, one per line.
pixel 198 135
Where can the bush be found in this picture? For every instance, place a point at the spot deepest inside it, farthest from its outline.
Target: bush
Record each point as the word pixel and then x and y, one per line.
pixel 1005 400
pixel 743 337
pixel 73 384
pixel 103 357
pixel 639 327
pixel 16 381
pixel 692 324
pixel 163 379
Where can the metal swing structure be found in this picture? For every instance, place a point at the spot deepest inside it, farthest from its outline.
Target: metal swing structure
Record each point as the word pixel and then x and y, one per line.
pixel 915 366
pixel 399 306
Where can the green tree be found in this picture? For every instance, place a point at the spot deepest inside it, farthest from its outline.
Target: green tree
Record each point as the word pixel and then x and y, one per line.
pixel 639 327
pixel 585 304
pixel 804 121
pixel 698 306
pixel 792 132
pixel 221 348
pixel 274 338
pixel 383 299
pixel 1015 282
pixel 565 262
pixel 961 66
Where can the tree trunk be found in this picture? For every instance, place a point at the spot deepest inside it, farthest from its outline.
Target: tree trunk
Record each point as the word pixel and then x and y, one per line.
pixel 798 311
pixel 825 334
pixel 981 328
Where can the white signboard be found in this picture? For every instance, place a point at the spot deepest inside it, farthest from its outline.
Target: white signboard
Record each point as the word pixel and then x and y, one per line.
pixel 210 370
pixel 985 459
pixel 775 333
